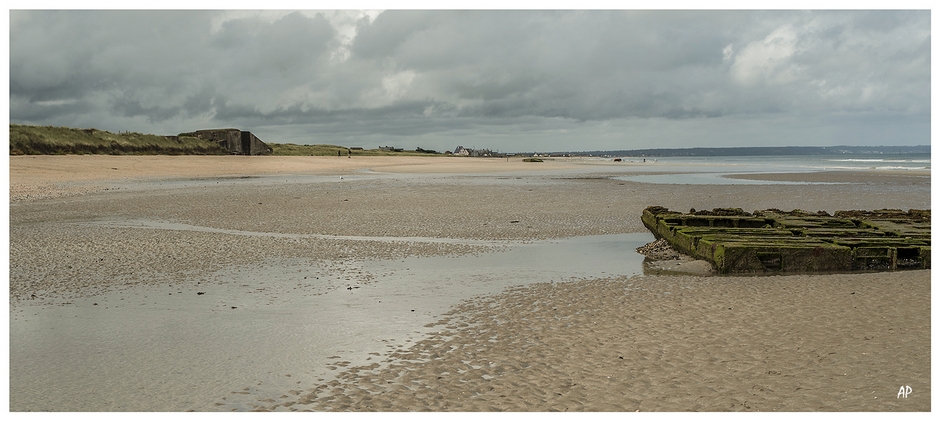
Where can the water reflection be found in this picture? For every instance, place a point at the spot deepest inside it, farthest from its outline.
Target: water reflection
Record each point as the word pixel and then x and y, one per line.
pixel 253 334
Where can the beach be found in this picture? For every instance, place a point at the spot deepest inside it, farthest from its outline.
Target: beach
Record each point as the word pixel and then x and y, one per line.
pixel 797 343
pixel 348 284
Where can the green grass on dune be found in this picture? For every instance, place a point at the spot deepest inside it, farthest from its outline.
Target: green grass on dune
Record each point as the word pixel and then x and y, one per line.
pixel 47 140
pixel 290 149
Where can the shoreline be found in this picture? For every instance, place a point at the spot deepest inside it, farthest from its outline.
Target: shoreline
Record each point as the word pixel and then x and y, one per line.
pixel 828 176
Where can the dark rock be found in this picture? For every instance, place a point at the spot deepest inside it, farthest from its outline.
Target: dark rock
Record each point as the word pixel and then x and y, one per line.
pixel 659 250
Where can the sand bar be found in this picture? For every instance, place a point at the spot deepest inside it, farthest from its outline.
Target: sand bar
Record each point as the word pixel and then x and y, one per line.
pixel 880 177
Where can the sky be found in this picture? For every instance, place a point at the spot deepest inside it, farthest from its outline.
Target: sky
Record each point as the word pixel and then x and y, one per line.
pixel 506 80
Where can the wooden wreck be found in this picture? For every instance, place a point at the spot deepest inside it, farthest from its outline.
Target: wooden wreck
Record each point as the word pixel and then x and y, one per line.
pixel 734 241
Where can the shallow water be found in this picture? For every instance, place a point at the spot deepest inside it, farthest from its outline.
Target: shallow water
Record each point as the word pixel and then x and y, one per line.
pixel 175 226
pixel 254 334
pixel 705 178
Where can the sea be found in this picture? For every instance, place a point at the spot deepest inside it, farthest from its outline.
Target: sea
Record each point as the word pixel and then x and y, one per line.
pixel 713 169
pixel 840 162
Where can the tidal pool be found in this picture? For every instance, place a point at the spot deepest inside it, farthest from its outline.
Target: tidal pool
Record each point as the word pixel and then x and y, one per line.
pixel 253 334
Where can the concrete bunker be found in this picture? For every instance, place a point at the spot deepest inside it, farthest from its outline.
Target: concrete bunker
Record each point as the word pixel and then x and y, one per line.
pixel 236 141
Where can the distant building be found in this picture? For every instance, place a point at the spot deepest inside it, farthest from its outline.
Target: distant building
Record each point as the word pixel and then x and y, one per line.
pixel 462 151
pixel 235 141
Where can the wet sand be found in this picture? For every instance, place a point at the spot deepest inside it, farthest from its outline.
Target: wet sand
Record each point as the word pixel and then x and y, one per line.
pixel 608 343
pixel 788 343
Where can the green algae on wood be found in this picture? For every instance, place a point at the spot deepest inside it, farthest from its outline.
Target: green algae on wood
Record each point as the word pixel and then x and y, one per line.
pixel 735 241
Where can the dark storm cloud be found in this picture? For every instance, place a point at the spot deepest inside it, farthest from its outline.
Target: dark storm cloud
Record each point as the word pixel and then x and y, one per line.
pixel 544 77
pixel 61 55
pixel 290 47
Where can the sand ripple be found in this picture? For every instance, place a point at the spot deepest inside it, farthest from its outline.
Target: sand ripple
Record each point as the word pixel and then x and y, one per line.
pixel 794 343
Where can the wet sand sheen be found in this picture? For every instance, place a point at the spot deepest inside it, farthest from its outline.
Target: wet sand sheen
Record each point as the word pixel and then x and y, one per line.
pixel 284 325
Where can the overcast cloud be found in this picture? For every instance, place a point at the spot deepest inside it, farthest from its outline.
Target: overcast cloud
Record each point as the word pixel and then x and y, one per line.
pixel 514 81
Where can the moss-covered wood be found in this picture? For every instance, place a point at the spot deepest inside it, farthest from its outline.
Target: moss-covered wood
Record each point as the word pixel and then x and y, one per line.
pixel 735 241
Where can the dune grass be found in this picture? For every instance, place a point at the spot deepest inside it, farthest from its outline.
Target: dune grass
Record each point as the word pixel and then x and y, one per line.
pixel 48 140
pixel 290 149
